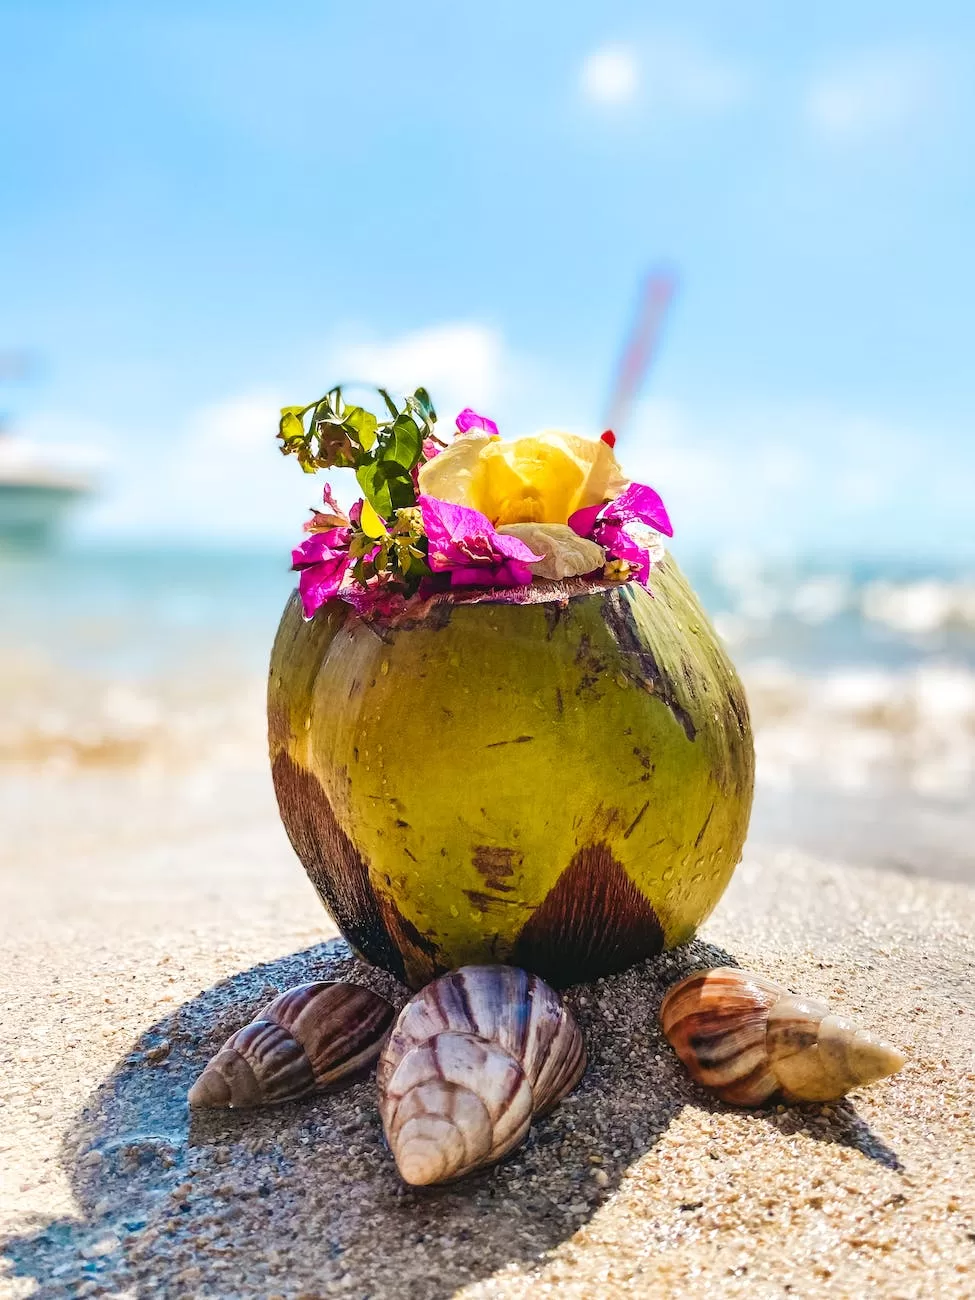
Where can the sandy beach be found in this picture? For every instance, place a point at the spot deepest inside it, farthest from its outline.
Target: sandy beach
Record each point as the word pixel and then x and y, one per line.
pixel 147 915
pixel 150 903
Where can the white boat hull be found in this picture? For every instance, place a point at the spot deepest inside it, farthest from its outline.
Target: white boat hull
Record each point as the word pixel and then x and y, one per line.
pixel 31 514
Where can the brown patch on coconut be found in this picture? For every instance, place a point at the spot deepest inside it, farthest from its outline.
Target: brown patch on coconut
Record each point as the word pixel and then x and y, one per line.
pixel 641 666
pixel 594 922
pixel 419 955
pixel 496 864
pixel 334 865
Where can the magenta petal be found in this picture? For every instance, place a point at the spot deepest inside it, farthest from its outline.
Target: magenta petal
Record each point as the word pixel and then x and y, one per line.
pixel 464 543
pixel 638 503
pixel 443 522
pixel 514 548
pixel 514 574
pixel 583 521
pixel 510 573
pixel 319 547
pixel 458 535
pixel 473 577
pixel 320 582
pixel 469 419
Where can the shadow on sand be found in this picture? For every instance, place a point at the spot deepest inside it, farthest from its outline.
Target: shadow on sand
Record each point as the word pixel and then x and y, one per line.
pixel 304 1199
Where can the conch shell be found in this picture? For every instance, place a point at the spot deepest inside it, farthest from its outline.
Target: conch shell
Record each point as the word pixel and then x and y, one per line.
pixel 311 1038
pixel 747 1039
pixel 471 1060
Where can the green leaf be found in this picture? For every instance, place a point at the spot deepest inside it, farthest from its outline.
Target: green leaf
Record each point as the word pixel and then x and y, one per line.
pixel 387 487
pixel 404 443
pixel 290 429
pixel 360 544
pixel 361 425
pixel 401 492
pixel 391 405
pixel 422 399
pixel 373 478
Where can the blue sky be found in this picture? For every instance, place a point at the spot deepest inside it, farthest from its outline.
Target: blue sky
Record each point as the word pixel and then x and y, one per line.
pixel 209 209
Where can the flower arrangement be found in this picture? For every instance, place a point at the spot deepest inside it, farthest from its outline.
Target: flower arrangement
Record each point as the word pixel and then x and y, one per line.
pixel 474 512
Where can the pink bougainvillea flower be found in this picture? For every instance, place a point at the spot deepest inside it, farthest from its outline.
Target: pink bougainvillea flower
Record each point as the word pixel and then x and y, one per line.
pixel 636 504
pixel 469 419
pixel 607 525
pixel 322 563
pixel 464 543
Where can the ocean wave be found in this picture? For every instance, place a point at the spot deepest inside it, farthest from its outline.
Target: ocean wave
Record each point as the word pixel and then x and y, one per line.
pixel 920 607
pixel 752 602
pixel 864 727
pixel 57 718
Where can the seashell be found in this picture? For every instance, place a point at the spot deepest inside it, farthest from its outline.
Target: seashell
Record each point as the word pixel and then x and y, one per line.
pixel 310 1038
pixel 747 1039
pixel 472 1058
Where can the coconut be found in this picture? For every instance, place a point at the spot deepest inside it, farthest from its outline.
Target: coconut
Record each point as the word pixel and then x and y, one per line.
pixel 563 785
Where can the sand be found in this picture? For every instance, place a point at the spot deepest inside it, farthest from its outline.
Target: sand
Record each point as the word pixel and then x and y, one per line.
pixel 145 916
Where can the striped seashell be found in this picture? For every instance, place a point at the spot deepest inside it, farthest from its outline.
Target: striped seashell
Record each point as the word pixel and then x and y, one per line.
pixel 472 1058
pixel 747 1040
pixel 312 1038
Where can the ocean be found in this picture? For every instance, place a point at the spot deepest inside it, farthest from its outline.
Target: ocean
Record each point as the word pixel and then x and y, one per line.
pixel 860 677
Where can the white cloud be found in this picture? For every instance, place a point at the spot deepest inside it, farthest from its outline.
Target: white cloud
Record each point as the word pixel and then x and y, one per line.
pixel 610 75
pixel 877 93
pixel 461 363
pixel 236 426
pixel 666 72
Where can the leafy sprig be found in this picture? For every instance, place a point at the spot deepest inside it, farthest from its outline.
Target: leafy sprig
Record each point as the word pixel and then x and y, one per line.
pixel 330 433
pixel 397 549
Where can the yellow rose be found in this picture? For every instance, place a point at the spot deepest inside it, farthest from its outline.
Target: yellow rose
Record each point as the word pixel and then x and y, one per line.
pixel 541 479
pixel 529 488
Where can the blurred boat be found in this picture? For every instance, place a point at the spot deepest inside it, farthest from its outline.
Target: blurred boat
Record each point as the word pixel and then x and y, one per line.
pixel 34 498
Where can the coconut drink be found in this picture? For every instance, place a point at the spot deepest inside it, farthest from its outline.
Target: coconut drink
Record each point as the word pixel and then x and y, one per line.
pixel 512 756
pixel 502 729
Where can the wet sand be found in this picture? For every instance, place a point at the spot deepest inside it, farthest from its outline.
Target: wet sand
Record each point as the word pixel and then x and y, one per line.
pixel 147 915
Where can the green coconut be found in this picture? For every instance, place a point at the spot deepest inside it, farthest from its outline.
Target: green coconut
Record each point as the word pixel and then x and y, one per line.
pixel 564 786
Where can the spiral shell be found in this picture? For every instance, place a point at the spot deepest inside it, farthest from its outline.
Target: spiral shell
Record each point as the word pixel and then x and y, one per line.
pixel 311 1038
pixel 747 1039
pixel 471 1060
